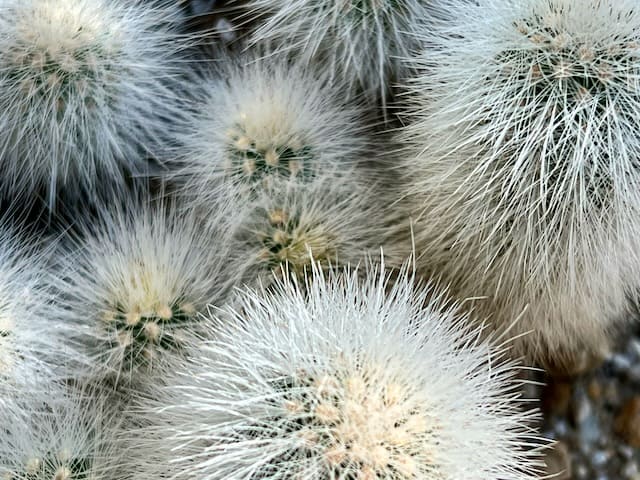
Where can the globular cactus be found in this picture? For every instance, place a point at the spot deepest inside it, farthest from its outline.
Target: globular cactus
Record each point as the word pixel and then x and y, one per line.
pixel 287 225
pixel 57 435
pixel 523 165
pixel 341 379
pixel 85 92
pixel 134 285
pixel 265 119
pixel 361 42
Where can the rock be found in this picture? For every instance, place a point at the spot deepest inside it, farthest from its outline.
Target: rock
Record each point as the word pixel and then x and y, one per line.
pixel 580 407
pixel 620 363
pixel 594 390
pixel 558 462
pixel 556 397
pixel 627 423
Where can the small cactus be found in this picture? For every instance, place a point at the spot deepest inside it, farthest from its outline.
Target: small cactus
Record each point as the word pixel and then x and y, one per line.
pixel 135 285
pixel 284 226
pixel 56 435
pixel 264 120
pixel 361 42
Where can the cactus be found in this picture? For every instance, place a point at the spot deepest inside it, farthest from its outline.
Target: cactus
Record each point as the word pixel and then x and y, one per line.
pixel 135 285
pixel 342 379
pixel 360 42
pixel 84 92
pixel 522 163
pixel 284 226
pixel 57 435
pixel 265 119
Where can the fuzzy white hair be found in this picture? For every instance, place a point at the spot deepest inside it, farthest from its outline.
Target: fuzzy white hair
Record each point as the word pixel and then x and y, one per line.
pixel 263 118
pixel 362 42
pixel 135 284
pixel 29 342
pixel 54 434
pixel 341 379
pixel 523 161
pixel 84 92
pixel 284 225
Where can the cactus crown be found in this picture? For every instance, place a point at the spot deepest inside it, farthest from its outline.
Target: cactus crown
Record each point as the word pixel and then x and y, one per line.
pixel 54 466
pixel 65 52
pixel 287 238
pixel 366 424
pixel 254 159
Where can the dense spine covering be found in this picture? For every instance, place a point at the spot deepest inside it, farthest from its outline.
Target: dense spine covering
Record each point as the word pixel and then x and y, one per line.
pixel 523 166
pixel 361 42
pixel 339 378
pixel 263 119
pixel 85 92
pixel 53 434
pixel 29 342
pixel 134 285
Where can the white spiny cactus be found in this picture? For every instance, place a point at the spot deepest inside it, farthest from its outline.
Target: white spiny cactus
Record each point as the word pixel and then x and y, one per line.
pixel 336 221
pixel 362 42
pixel 524 165
pixel 134 285
pixel 29 341
pixel 84 92
pixel 341 379
pixel 52 434
pixel 267 119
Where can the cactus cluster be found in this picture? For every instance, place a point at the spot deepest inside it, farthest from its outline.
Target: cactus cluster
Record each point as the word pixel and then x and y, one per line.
pixel 321 248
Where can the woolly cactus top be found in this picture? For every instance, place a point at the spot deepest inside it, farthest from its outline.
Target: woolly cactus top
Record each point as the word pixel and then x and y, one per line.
pixel 138 282
pixel 146 319
pixel 341 379
pixel 63 48
pixel 268 121
pixel 256 153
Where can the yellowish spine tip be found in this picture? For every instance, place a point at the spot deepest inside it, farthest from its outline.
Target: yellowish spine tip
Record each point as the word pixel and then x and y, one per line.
pixel 249 166
pixel 278 217
pixel 188 308
pixel 293 407
pixel 63 473
pixel 243 143
pixel 294 167
pixel 280 237
pixel 327 413
pixel 125 339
